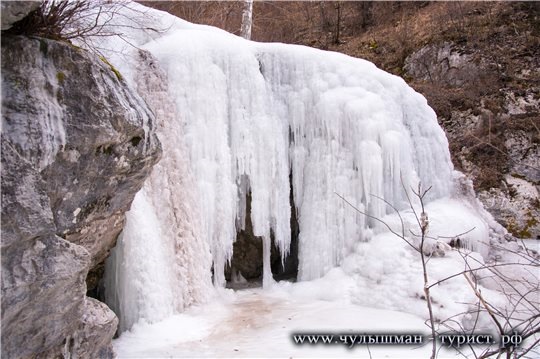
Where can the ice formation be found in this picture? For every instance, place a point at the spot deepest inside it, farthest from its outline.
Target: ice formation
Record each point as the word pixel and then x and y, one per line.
pixel 146 288
pixel 236 117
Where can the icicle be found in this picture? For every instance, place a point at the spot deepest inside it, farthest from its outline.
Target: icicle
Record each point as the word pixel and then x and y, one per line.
pixel 140 286
pixel 250 114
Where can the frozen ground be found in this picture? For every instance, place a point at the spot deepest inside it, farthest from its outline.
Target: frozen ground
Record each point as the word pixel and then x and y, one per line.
pixel 260 323
pixel 370 294
pixel 377 290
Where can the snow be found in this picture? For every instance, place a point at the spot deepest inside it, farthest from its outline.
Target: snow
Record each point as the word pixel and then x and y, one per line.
pixel 390 270
pixel 238 117
pixel 255 323
pixel 138 269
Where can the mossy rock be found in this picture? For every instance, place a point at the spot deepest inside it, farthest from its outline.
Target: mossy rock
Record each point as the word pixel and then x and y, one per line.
pixel 113 69
pixel 60 76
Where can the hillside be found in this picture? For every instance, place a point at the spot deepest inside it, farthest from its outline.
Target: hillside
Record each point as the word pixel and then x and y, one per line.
pixel 476 63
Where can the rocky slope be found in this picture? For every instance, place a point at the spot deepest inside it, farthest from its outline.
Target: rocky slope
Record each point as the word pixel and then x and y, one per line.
pixel 15 11
pixel 484 85
pixel 77 145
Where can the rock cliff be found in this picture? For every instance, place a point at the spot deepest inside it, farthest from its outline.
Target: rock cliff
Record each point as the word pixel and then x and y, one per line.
pixel 77 145
pixel 489 109
pixel 14 11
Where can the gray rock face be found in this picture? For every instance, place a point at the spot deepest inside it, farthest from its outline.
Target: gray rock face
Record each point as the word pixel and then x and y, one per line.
pixel 524 152
pixel 92 338
pixel 13 11
pixel 515 205
pixel 441 64
pixel 492 130
pixel 514 198
pixel 38 267
pixel 77 145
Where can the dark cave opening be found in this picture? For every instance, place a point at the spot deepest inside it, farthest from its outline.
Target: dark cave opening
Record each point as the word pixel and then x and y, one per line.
pixel 247 258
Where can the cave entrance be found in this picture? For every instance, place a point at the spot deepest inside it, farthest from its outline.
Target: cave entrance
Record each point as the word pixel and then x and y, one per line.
pixel 246 268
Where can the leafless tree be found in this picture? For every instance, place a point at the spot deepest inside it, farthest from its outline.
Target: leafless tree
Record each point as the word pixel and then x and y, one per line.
pixel 423 224
pixel 247 20
pixel 337 32
pixel 521 310
pixel 66 20
pixel 81 21
pixel 520 314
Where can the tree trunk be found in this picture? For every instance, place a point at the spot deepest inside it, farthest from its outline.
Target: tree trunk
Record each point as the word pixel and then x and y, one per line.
pixel 247 20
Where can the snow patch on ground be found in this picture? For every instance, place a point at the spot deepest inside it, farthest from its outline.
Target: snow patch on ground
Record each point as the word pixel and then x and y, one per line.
pixel 259 323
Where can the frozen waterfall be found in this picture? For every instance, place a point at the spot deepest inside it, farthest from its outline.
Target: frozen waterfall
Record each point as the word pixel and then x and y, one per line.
pixel 238 117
